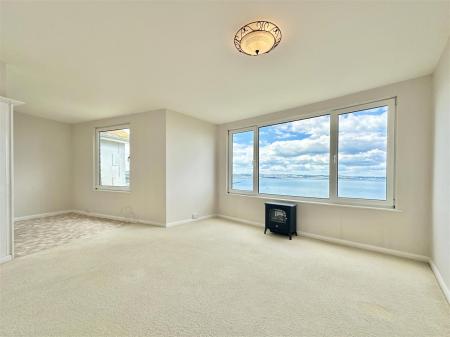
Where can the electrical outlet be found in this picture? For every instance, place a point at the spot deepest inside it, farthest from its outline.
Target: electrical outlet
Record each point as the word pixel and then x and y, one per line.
pixel 194 215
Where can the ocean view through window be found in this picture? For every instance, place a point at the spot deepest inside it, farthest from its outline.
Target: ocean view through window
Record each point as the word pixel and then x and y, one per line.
pixel 345 156
pixel 313 186
pixel 362 154
pixel 242 144
pixel 294 158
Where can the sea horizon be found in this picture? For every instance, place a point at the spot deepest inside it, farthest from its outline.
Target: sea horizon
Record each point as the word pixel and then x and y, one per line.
pixel 314 186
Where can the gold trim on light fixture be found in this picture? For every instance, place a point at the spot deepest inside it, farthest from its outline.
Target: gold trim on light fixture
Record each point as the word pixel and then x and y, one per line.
pixel 257 38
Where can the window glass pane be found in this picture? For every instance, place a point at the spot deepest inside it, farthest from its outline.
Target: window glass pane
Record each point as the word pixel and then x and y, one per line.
pixel 114 151
pixel 294 158
pixel 362 154
pixel 242 178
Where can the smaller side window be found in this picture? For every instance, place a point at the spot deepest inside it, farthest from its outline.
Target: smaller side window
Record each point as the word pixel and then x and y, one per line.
pixel 113 158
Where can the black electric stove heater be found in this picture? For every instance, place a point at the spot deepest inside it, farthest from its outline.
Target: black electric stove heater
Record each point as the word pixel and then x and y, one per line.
pixel 281 218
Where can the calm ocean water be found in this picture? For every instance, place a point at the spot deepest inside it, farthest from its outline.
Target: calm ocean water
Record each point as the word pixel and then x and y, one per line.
pixel 314 186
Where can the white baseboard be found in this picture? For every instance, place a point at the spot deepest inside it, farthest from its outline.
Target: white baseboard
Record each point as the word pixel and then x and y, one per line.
pixel 440 280
pixel 248 222
pixel 113 217
pixel 42 215
pixel 347 243
pixel 120 218
pixel 388 251
pixel 182 222
pixel 5 259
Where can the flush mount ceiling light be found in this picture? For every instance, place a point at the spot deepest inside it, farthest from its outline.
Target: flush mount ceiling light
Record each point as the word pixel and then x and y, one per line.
pixel 257 38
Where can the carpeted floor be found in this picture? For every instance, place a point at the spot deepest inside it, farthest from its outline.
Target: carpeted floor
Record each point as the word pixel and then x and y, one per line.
pixel 31 236
pixel 216 278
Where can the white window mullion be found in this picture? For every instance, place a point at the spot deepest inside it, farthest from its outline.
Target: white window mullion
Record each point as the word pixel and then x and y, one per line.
pixel 391 151
pixel 256 161
pixel 230 162
pixel 334 131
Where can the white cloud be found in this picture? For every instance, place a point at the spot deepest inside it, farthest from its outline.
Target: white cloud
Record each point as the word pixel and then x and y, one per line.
pixel 370 163
pixel 362 147
pixel 242 158
pixel 363 123
pixel 294 148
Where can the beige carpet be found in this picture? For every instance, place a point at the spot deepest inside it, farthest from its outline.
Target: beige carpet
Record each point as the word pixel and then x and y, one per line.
pixel 216 278
pixel 31 236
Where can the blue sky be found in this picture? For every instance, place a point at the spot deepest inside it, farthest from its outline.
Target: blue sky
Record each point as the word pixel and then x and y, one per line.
pixel 302 147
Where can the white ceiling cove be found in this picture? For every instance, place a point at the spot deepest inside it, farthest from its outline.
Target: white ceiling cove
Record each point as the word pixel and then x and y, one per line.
pixel 78 61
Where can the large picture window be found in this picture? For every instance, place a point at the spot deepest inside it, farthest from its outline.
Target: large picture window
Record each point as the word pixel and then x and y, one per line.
pixel 340 156
pixel 113 158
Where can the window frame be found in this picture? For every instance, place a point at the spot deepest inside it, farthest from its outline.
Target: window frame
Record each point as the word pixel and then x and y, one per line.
pixel 333 197
pixel 255 160
pixel 97 185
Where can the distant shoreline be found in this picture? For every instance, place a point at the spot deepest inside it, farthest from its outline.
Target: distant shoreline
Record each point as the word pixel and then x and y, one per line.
pixel 316 186
pixel 305 176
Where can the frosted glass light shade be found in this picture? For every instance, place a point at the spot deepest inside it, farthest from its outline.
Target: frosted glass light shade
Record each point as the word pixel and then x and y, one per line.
pixel 257 38
pixel 257 42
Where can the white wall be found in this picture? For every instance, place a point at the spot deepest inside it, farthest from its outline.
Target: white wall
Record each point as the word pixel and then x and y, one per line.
pixel 190 167
pixel 407 229
pixel 42 165
pixel 441 176
pixel 147 197
pixel 172 168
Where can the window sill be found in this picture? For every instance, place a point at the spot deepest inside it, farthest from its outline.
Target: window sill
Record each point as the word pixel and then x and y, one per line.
pixel 99 189
pixel 311 202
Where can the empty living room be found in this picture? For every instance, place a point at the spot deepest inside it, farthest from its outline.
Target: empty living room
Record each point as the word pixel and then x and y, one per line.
pixel 225 168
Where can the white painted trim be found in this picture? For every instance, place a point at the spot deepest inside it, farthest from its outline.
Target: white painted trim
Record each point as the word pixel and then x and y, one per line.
pixel 5 259
pixel 388 251
pixel 97 185
pixel 247 222
pixel 440 280
pixel 119 218
pixel 10 101
pixel 182 222
pixel 42 215
pixel 6 179
pixel 12 229
pixel 342 242
pixel 312 202
pixel 93 214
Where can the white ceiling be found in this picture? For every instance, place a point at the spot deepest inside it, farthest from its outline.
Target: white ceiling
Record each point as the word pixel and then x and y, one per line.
pixel 78 61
